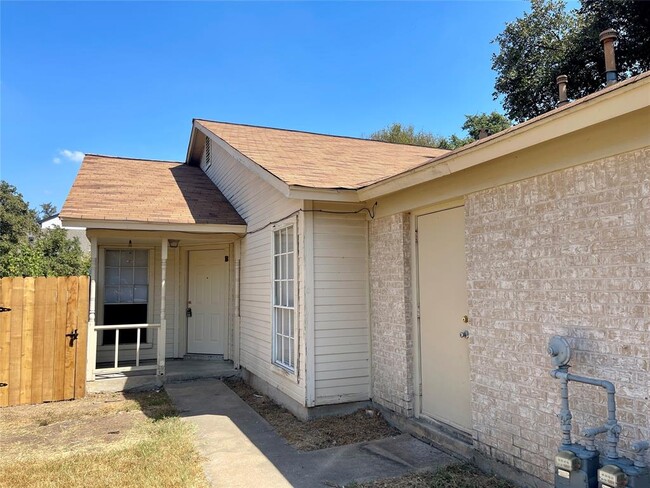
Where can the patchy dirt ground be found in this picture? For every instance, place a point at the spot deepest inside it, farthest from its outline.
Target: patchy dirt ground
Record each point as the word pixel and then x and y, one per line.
pixel 316 434
pixel 77 425
pixel 102 440
pixel 455 476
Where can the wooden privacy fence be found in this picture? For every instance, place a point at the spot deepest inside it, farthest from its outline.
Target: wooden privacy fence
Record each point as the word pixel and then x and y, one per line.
pixel 43 339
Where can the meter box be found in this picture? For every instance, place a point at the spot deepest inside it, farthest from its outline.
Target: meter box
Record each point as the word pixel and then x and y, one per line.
pixel 622 473
pixel 575 467
pixel 611 476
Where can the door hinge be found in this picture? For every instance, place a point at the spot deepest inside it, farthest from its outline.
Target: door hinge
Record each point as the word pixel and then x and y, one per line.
pixel 226 259
pixel 416 236
pixel 418 312
pixel 5 309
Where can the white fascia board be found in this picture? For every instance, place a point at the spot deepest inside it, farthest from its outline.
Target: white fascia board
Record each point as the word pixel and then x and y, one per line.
pixel 171 227
pixel 248 163
pixel 610 105
pixel 323 194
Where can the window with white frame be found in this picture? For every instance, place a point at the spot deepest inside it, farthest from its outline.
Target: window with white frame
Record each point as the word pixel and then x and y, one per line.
pixel 126 292
pixel 283 297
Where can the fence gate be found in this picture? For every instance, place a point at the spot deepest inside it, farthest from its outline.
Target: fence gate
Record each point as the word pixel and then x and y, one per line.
pixel 43 324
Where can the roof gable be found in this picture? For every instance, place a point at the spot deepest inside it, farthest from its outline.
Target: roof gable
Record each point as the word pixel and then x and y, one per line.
pixel 303 159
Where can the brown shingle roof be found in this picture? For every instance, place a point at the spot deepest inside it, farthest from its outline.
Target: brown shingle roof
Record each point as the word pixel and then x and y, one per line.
pixel 120 189
pixel 318 160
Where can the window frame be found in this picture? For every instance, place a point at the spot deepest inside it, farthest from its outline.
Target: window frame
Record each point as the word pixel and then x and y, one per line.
pixel 101 280
pixel 291 366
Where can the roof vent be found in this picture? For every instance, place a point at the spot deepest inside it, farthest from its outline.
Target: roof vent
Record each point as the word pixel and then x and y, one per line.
pixel 608 37
pixel 562 81
pixel 208 153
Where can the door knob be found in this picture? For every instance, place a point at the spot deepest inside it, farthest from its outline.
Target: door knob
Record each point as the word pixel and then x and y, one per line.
pixel 464 334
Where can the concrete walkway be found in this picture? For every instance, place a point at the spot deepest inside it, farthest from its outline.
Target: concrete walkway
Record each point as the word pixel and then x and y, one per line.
pixel 241 449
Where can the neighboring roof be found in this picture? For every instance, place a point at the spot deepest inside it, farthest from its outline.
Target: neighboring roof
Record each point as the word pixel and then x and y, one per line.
pixel 42 221
pixel 120 189
pixel 317 160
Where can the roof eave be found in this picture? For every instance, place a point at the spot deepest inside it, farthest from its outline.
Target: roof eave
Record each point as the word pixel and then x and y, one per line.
pixel 154 226
pixel 576 116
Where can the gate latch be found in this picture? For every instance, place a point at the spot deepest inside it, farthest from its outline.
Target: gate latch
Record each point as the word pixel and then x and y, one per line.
pixel 5 309
pixel 74 335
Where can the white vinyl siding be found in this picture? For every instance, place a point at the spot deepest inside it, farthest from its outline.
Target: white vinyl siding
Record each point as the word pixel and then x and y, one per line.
pixel 284 297
pixel 259 204
pixel 341 308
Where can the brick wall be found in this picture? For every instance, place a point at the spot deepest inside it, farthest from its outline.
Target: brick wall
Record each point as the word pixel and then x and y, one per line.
pixel 390 297
pixel 566 253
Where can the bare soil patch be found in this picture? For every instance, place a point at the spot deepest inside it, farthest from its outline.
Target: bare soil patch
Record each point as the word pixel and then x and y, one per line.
pixel 360 426
pixel 454 476
pixel 107 439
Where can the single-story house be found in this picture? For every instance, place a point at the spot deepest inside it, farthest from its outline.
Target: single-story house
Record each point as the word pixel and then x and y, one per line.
pixel 335 270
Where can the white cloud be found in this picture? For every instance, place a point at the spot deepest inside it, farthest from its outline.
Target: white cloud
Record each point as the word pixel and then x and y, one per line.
pixel 74 156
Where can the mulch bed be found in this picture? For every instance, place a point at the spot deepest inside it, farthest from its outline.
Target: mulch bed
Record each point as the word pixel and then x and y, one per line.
pixel 361 426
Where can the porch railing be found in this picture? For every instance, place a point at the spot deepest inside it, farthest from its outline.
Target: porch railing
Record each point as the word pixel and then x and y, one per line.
pixel 116 361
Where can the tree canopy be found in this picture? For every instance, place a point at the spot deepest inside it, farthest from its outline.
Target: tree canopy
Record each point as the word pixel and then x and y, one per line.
pixel 551 40
pixel 406 134
pixel 26 250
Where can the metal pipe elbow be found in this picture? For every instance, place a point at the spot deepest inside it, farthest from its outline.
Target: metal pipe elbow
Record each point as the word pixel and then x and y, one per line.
pixel 594 431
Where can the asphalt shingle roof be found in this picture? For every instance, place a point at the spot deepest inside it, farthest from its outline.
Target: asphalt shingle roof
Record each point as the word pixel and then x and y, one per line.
pixel 120 189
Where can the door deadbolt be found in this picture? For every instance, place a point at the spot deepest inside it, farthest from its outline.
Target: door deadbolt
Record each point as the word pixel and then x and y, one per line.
pixel 464 334
pixel 465 319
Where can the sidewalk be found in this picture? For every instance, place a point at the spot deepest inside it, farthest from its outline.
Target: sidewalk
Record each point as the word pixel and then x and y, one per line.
pixel 241 449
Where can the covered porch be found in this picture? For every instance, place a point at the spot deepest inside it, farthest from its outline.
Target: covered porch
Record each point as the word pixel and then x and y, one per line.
pixel 164 276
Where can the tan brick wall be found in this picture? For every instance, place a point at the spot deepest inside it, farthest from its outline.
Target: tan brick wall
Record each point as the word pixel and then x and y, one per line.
pixel 566 253
pixel 391 325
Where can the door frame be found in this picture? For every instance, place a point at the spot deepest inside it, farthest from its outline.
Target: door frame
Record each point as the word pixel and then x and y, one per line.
pixel 415 301
pixel 181 340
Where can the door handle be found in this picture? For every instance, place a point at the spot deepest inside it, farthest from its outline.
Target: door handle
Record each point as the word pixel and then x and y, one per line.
pixel 188 312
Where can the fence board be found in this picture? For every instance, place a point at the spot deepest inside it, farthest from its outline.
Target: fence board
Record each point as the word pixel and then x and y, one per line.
pixel 5 340
pixel 27 345
pixel 16 306
pixel 38 337
pixel 37 361
pixel 82 341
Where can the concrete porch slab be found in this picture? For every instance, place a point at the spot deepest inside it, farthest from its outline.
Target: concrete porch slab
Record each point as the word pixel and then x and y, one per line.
pixel 177 370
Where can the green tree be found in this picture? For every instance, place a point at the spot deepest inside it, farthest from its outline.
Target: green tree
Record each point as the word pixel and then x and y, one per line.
pixel 48 210
pixel 25 250
pixel 405 134
pixel 490 123
pixel 550 41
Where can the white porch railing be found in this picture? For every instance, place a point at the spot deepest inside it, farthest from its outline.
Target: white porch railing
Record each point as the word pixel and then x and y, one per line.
pixel 116 361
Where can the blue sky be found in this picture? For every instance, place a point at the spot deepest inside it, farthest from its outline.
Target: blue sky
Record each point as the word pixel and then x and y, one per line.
pixel 126 79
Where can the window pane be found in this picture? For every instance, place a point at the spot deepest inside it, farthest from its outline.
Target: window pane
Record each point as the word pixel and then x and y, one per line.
pixel 126 276
pixel 283 267
pixel 126 294
pixel 140 294
pixel 290 266
pixel 112 276
pixel 126 258
pixel 283 240
pixel 111 294
pixel 141 276
pixel 290 324
pixel 141 258
pixel 290 293
pixel 112 258
pixel 277 268
pixel 285 347
pixel 285 300
pixel 291 352
pixel 290 239
pixel 277 294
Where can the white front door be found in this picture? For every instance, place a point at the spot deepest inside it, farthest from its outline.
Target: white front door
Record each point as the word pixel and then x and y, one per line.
pixel 444 348
pixel 207 327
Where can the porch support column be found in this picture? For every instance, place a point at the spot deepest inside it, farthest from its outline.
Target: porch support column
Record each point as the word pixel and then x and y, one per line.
pixel 91 357
pixel 162 332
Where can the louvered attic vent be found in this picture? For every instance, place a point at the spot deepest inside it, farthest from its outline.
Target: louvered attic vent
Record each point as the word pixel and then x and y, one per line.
pixel 208 155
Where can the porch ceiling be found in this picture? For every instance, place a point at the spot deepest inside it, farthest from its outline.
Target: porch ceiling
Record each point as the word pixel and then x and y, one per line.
pixel 110 191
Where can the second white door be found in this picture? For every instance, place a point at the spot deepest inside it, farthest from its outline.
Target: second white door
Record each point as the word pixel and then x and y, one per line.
pixel 207 324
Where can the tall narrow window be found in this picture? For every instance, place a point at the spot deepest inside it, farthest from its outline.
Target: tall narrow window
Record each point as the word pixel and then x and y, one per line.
pixel 283 298
pixel 126 292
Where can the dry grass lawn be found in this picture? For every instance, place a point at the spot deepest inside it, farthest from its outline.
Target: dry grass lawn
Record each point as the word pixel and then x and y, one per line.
pixel 455 476
pixel 103 440
pixel 314 434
